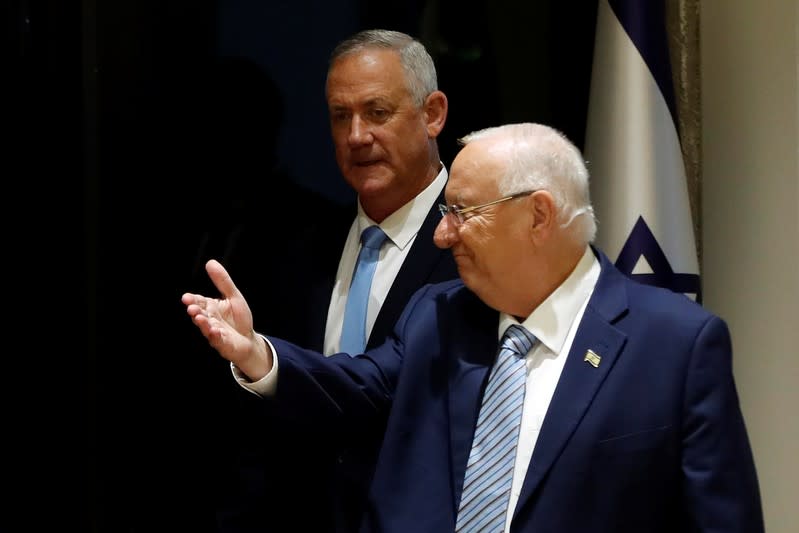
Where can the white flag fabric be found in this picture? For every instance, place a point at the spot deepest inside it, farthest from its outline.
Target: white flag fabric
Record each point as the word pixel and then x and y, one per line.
pixel 632 148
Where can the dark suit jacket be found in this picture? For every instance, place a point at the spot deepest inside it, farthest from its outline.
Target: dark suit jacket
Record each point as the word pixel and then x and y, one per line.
pixel 651 440
pixel 315 479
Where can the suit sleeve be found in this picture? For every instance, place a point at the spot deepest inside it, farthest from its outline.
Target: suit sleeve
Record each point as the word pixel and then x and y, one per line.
pixel 721 486
pixel 340 391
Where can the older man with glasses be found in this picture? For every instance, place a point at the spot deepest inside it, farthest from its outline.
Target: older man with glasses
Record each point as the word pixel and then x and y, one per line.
pixel 545 392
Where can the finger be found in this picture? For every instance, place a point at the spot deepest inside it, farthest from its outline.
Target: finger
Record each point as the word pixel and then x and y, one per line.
pixel 194 310
pixel 195 300
pixel 222 280
pixel 207 327
pixel 189 299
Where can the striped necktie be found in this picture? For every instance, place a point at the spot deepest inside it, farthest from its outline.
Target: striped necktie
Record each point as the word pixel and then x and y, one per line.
pixel 489 471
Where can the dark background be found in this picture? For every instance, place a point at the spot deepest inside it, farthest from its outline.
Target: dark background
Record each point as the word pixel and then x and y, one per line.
pixel 136 131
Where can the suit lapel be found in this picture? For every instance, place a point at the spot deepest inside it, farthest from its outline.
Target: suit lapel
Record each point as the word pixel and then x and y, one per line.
pixel 580 380
pixel 425 263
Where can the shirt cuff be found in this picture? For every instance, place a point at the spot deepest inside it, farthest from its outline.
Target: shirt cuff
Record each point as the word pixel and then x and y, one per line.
pixel 267 385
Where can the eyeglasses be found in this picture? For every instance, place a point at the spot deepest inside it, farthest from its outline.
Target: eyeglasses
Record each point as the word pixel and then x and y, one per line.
pixel 459 213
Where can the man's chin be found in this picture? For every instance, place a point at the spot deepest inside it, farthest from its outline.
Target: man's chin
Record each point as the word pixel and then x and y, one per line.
pixel 372 184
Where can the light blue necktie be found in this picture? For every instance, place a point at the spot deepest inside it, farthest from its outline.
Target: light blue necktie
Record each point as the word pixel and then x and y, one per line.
pixel 353 333
pixel 489 472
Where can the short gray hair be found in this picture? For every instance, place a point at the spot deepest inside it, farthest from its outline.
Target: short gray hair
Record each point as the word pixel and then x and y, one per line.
pixel 420 71
pixel 543 158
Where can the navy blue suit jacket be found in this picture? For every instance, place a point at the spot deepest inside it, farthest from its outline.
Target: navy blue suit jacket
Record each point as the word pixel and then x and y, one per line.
pixel 320 481
pixel 651 440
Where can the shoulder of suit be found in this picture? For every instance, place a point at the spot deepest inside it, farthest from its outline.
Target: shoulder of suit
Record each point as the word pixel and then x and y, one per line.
pixel 660 301
pixel 447 288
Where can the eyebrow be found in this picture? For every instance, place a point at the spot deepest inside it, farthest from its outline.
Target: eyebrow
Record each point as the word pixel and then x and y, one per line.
pixel 457 201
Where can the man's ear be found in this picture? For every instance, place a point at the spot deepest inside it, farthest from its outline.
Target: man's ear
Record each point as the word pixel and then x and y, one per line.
pixel 542 205
pixel 435 112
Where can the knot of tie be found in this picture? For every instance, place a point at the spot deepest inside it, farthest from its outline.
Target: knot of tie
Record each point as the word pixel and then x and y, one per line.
pixel 518 340
pixel 373 237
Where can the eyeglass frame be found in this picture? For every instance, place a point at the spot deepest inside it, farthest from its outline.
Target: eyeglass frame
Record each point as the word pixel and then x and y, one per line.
pixel 459 212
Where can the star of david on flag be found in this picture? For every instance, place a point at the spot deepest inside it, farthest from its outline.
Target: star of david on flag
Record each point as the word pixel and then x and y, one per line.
pixel 632 147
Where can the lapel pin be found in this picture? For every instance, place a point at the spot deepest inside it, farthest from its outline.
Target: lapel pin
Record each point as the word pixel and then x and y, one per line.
pixel 592 358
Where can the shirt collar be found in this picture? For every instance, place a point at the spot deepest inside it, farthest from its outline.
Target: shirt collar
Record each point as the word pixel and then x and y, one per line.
pixel 403 224
pixel 551 321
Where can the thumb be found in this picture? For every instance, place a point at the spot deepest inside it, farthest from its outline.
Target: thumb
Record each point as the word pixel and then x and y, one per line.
pixel 221 279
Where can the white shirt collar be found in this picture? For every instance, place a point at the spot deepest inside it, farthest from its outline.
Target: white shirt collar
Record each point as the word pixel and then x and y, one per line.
pixel 404 223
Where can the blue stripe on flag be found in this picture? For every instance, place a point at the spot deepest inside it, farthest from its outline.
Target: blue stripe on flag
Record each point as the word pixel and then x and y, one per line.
pixel 645 23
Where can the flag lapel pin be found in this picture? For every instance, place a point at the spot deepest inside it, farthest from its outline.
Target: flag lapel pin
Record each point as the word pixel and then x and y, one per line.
pixel 592 358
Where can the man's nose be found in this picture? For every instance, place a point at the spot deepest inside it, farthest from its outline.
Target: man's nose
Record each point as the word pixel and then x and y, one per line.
pixel 360 133
pixel 446 234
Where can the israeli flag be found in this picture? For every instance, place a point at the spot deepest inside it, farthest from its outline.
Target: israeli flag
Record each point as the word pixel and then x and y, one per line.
pixel 638 183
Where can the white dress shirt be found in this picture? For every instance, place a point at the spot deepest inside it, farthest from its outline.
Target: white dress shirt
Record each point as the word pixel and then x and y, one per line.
pixel 401 227
pixel 554 323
